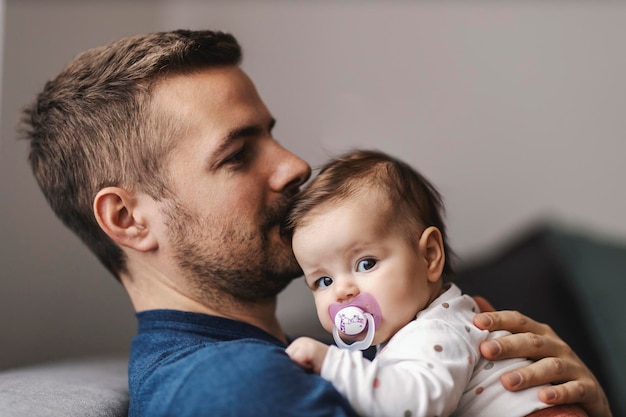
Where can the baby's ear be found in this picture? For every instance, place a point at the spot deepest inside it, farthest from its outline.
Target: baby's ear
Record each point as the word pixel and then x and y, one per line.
pixel 431 249
pixel 122 218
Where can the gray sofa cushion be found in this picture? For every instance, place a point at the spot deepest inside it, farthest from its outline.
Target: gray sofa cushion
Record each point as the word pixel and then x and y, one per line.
pixel 96 387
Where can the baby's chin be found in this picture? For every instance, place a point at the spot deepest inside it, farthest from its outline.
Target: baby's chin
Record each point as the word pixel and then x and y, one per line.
pixel 378 339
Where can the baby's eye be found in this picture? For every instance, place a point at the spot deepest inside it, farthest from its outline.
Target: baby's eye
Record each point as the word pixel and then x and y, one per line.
pixel 365 264
pixel 324 282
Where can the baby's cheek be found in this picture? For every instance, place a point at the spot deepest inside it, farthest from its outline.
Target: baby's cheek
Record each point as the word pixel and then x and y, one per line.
pixel 324 319
pixel 381 335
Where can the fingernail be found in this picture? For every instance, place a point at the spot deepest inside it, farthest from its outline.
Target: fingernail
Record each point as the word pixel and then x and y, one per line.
pixel 483 320
pixel 513 379
pixel 550 394
pixel 493 348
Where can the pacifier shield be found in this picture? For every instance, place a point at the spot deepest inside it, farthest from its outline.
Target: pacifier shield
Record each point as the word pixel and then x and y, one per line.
pixel 361 315
pixel 350 320
pixel 365 302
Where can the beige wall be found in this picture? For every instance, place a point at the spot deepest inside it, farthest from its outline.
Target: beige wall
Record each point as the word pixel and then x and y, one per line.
pixel 515 109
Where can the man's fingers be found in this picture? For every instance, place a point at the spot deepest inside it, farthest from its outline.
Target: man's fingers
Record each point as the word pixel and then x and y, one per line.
pixel 544 371
pixel 569 392
pixel 513 321
pixel 556 362
pixel 528 345
pixel 583 390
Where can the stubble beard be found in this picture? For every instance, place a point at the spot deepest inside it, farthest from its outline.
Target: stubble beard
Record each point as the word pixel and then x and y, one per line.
pixel 221 258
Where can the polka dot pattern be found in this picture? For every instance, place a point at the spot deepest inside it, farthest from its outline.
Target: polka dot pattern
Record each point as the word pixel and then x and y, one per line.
pixel 463 329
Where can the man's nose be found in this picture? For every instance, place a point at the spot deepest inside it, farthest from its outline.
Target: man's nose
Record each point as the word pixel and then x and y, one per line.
pixel 290 173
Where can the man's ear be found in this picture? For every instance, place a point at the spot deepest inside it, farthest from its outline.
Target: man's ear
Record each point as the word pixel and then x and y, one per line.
pixel 431 249
pixel 120 216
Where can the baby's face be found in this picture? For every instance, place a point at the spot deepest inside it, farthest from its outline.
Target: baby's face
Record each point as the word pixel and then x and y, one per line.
pixel 344 251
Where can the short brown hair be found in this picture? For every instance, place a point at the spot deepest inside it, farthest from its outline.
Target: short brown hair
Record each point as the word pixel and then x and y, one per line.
pixel 414 202
pixel 92 126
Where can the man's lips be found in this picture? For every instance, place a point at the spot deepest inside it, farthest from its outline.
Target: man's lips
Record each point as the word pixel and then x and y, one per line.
pixel 364 301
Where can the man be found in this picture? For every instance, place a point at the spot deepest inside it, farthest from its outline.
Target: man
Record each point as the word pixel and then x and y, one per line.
pixel 158 152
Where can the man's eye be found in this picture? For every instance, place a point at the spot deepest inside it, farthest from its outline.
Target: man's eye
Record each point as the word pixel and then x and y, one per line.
pixel 366 264
pixel 324 282
pixel 237 157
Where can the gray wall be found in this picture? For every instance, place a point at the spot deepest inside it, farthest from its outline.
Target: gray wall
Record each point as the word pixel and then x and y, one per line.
pixel 515 109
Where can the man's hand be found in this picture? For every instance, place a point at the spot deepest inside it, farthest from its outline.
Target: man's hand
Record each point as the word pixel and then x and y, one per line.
pixel 556 363
pixel 308 353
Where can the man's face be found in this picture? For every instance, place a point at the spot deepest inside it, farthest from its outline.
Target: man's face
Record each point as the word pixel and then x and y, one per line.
pixel 231 183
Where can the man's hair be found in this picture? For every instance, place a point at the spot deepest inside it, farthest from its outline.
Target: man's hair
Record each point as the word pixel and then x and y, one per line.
pixel 93 125
pixel 412 203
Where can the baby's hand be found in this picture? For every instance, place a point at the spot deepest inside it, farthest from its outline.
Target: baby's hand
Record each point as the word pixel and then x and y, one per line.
pixel 308 353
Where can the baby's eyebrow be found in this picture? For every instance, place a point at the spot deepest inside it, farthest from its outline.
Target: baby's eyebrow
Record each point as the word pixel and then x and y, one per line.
pixel 310 278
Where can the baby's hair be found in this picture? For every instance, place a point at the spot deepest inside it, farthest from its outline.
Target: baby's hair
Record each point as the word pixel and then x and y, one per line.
pixel 413 202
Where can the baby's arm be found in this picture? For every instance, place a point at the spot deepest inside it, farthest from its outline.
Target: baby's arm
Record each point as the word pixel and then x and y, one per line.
pixel 308 353
pixel 400 380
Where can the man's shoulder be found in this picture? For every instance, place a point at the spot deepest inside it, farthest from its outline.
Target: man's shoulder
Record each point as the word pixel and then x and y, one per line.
pixel 242 377
pixel 232 357
pixel 217 360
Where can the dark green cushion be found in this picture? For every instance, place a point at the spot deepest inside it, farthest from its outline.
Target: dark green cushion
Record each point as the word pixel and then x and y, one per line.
pixel 596 268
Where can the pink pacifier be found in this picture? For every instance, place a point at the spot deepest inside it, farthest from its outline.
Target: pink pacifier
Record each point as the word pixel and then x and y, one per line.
pixel 361 314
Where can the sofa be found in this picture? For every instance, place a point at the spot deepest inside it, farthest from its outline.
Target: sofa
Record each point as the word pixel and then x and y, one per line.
pixel 85 387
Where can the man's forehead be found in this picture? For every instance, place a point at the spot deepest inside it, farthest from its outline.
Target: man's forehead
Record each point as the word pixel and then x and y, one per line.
pixel 211 107
pixel 219 99
pixel 210 84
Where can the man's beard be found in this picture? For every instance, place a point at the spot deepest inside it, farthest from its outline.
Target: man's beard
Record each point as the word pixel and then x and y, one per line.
pixel 219 258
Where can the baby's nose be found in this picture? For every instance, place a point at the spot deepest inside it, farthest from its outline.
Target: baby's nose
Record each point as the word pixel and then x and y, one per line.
pixel 346 291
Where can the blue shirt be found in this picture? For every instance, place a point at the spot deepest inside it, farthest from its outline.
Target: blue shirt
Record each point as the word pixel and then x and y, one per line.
pixel 189 364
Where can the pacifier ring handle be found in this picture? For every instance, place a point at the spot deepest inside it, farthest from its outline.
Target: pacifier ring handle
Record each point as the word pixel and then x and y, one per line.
pixel 359 344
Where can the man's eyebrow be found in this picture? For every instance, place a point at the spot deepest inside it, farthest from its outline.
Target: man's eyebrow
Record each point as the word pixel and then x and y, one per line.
pixel 233 135
pixel 247 131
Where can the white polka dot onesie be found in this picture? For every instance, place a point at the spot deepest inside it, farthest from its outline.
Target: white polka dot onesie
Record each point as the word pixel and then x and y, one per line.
pixel 431 367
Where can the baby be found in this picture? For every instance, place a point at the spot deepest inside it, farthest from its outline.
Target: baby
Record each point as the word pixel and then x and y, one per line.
pixel 369 235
